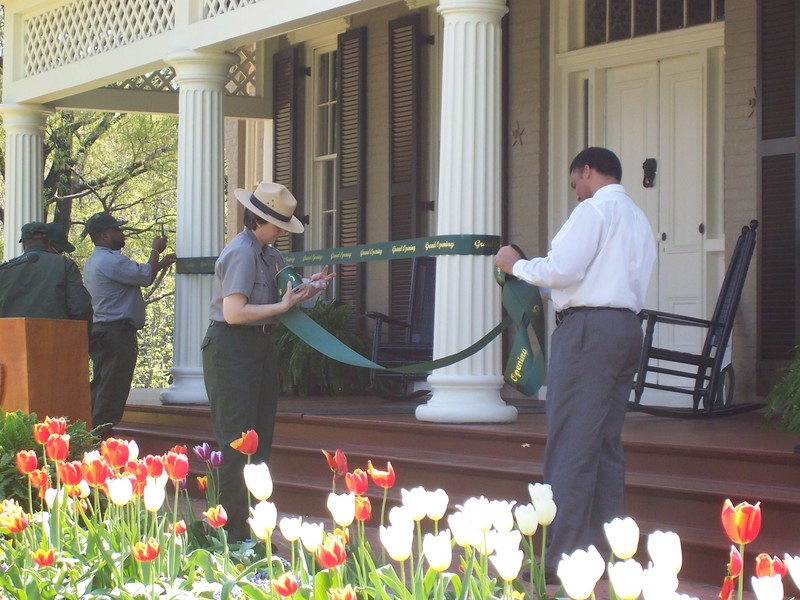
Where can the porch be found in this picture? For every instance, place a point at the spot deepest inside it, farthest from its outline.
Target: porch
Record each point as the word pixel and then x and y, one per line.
pixel 679 472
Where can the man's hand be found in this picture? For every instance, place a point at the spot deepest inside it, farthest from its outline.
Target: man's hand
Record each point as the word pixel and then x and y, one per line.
pixel 159 244
pixel 169 259
pixel 505 259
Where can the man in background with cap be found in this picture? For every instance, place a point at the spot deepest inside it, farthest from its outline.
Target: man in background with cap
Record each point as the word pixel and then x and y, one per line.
pixel 42 285
pixel 115 283
pixel 59 244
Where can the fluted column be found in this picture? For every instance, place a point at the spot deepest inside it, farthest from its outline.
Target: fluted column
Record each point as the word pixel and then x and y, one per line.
pixel 24 125
pixel 201 78
pixel 467 299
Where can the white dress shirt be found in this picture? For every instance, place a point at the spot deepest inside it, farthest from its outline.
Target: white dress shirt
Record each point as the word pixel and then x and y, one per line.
pixel 602 256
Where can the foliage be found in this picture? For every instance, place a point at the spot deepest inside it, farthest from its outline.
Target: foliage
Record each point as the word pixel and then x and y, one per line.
pixel 783 401
pixel 307 371
pixel 16 433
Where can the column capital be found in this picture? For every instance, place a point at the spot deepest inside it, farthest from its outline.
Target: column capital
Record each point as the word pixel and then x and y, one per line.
pixel 24 117
pixel 201 68
pixel 496 8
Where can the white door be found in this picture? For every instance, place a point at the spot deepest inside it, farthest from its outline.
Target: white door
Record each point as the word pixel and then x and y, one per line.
pixel 655 110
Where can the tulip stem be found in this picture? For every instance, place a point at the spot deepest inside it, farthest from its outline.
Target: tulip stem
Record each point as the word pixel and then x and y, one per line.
pixel 741 575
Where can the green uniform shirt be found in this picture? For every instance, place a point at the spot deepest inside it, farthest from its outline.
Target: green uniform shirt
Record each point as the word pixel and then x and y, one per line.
pixel 50 288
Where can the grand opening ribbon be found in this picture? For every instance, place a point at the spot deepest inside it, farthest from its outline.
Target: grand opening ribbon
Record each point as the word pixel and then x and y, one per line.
pixel 522 302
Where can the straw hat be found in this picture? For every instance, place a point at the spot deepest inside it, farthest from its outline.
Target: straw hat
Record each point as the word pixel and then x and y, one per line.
pixel 274 203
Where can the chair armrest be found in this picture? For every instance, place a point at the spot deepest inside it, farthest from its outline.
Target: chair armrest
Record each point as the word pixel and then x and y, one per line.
pixel 380 317
pixel 675 319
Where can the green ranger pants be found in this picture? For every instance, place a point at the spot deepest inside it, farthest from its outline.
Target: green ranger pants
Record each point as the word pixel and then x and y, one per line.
pixel 114 349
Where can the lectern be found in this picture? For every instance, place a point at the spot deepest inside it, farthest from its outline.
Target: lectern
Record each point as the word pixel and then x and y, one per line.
pixel 44 368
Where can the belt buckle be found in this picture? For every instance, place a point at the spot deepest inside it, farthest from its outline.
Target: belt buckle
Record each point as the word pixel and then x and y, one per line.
pixel 266 328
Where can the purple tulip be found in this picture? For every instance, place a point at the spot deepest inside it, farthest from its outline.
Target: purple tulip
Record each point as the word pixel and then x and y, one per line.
pixel 203 452
pixel 215 459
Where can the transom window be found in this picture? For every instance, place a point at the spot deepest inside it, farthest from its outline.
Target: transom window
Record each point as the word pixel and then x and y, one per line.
pixel 613 20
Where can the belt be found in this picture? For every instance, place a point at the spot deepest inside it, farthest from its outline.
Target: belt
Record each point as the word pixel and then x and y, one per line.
pixel 563 314
pixel 266 329
pixel 121 324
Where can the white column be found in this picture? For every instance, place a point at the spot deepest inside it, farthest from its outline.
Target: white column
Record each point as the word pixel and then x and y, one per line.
pixel 24 125
pixel 467 298
pixel 201 198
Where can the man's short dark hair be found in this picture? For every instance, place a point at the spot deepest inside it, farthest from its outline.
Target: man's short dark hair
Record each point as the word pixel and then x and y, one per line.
pixel 601 160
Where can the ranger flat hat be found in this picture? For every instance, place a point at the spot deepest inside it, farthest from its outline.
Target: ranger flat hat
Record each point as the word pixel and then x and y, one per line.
pixel 274 203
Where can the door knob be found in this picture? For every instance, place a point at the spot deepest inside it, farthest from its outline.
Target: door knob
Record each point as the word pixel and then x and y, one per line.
pixel 664 236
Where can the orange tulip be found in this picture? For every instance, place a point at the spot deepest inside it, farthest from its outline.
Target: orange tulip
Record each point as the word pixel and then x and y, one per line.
pixel 96 472
pixel 56 425
pixel 735 563
pixel 247 444
pixel 767 566
pixel 43 558
pixel 202 483
pixel 363 508
pixel 285 585
pixel 179 449
pixel 216 516
pixel 27 461
pixel 57 447
pixel 331 553
pixel 145 552
pixel 345 593
pixel 741 522
pixel 728 585
pixel 115 451
pixel 40 433
pixel 337 462
pixel 40 478
pixel 70 473
pixel 176 465
pixel 357 482
pixel 383 479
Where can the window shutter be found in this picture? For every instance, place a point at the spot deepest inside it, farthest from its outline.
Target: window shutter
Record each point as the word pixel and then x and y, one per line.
pixel 286 165
pixel 404 155
pixel 351 151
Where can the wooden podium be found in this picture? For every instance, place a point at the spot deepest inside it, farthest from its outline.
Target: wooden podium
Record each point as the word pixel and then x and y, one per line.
pixel 44 368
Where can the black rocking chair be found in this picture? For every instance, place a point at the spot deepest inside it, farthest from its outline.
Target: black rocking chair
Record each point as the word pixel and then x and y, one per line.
pixel 417 343
pixel 712 384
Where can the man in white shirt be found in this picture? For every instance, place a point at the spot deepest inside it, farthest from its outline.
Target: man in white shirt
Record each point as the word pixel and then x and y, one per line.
pixel 598 270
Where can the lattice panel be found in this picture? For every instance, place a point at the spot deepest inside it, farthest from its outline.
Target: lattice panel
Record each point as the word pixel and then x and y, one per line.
pixel 157 81
pixel 220 7
pixel 84 28
pixel 242 80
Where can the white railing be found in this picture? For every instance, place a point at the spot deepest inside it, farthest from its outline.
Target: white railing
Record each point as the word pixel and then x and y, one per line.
pixel 220 7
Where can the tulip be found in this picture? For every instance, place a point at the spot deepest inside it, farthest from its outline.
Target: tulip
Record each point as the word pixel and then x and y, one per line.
pixel 216 516
pixel 540 492
pixel 154 495
pixel 202 452
pixel 735 563
pixel 290 528
pixel 176 465
pixel 115 451
pixel 336 462
pixel 400 516
pixel 767 566
pixel 57 447
pixel 133 450
pixel 383 479
pixel 179 449
pixel 345 593
pixel 465 533
pixel 437 504
pixel 331 553
pixel 42 557
pixel 96 471
pixel 247 444
pixel 627 577
pixel 263 519
pixel 793 566
pixel 357 482
pixel 580 572
pixel 342 508
pixel 623 536
pixel 545 512
pixel 202 483
pixel 146 551
pixel 70 473
pixel 728 585
pixel 741 522
pixel 40 433
pixel 178 527
pixel 768 588
pixel 13 519
pixel 56 425
pixel 658 583
pixel 527 521
pixel 137 470
pixel 311 535
pixel 155 466
pixel 215 462
pixel 479 512
pixel 502 515
pixel 40 478
pixel 438 550
pixel 415 500
pixel 507 563
pixel 27 462
pixel 258 480
pixel 665 550
pixel 50 495
pixel 285 585
pixel 363 509
pixel 120 490
pixel 397 541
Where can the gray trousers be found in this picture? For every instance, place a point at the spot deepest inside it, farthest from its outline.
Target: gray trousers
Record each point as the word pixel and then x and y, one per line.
pixel 113 349
pixel 240 371
pixel 593 358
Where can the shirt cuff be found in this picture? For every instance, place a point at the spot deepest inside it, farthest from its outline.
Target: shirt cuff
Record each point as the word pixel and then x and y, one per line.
pixel 518 268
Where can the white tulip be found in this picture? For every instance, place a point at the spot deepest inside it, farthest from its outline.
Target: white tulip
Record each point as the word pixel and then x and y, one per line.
pixel 438 550
pixel 768 588
pixel 623 536
pixel 416 501
pixel 311 535
pixel 154 495
pixel 580 572
pixel 342 508
pixel 665 550
pixel 793 565
pixel 627 577
pixel 290 528
pixel 258 480
pixel 133 450
pixel 397 541
pixel 545 512
pixel 400 516
pixel 527 520
pixel 479 511
pixel 659 583
pixel 464 530
pixel 508 563
pixel 502 517
pixel 120 490
pixel 437 504
pixel 263 518
pixel 540 492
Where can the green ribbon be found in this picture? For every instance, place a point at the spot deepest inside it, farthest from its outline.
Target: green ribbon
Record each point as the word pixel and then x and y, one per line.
pixel 525 370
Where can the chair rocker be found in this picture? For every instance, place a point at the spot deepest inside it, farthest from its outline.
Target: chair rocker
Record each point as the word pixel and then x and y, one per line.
pixel 417 340
pixel 710 384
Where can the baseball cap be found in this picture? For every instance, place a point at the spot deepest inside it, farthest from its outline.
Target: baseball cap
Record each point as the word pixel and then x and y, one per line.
pixel 30 230
pixel 101 221
pixel 55 233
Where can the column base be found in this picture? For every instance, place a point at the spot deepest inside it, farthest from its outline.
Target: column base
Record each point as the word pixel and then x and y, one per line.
pixel 465 399
pixel 188 387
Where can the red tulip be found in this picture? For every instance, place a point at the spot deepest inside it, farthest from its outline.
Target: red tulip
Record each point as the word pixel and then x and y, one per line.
pixel 176 465
pixel 357 482
pixel 145 552
pixel 247 444
pixel 178 528
pixel 337 462
pixel 383 479
pixel 155 465
pixel 363 508
pixel 728 585
pixel 179 449
pixel 767 566
pixel 27 461
pixel 57 447
pixel 138 473
pixel 12 518
pixel 70 473
pixel 115 451
pixel 742 522
pixel 56 425
pixel 40 478
pixel 735 563
pixel 96 472
pixel 345 593
pixel 285 585
pixel 43 558
pixel 216 516
pixel 331 553
pixel 40 433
